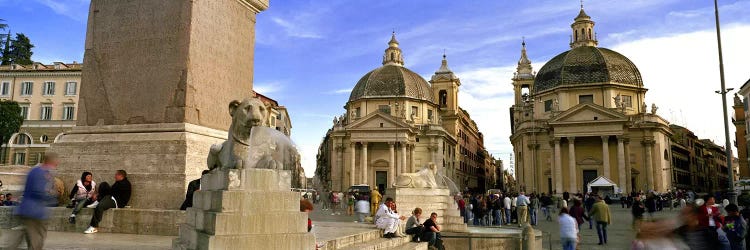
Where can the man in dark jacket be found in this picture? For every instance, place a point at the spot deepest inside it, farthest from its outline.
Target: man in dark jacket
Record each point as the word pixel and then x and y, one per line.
pixel 193 186
pixel 119 198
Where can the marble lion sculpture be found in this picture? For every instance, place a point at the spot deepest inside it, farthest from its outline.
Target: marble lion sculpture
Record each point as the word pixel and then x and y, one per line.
pixel 424 178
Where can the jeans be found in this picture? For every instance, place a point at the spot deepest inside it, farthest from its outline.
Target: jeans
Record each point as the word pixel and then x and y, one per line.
pixel 568 243
pixel 105 203
pixel 532 215
pixel 468 216
pixel 477 219
pixel 507 216
pixel 725 245
pixel 80 204
pixel 496 220
pixel 601 230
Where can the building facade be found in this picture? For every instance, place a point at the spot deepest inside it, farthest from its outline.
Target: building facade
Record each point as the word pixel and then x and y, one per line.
pixel 48 96
pixel 697 164
pixel 278 116
pixel 740 121
pixel 397 122
pixel 583 116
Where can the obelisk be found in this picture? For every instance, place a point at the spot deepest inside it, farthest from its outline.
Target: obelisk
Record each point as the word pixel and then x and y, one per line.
pixel 156 81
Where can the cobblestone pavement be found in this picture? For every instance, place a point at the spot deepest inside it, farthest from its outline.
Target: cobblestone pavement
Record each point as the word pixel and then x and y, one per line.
pixel 620 233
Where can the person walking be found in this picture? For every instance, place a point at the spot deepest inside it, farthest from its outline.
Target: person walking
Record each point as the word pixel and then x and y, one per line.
pixel 37 195
pixel 533 207
pixel 568 230
pixel 577 212
pixel 375 198
pixel 546 202
pixel 589 204
pixel 600 213
pixel 637 209
pixel 362 207
pixel 522 208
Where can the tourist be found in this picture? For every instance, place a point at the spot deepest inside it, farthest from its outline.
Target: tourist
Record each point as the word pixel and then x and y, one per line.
pixel 513 213
pixel 9 201
pixel 577 212
pixel 607 200
pixel 568 230
pixel 342 201
pixel 693 233
pixel 564 203
pixel 637 209
pixel 82 194
pixel 506 206
pixel 546 202
pixel 58 193
pixel 432 233
pixel 461 206
pixel 495 207
pixel 117 196
pixel 36 196
pixel 306 207
pixel 193 186
pixel 350 205
pixel 735 227
pixel 710 217
pixel 566 196
pixel 651 205
pixel 600 213
pixel 589 204
pixel 533 207
pixel 413 225
pixel 375 198
pixel 522 208
pixel 623 201
pixel 362 208
pixel 326 199
pixel 388 219
pixel 2 199
pixel 334 202
pixel 477 209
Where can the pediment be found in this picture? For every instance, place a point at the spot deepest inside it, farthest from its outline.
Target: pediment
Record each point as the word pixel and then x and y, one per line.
pixel 587 112
pixel 378 120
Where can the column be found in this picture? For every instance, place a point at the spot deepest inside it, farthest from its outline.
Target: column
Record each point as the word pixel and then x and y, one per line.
pixel 572 164
pixel 557 179
pixel 605 156
pixel 621 164
pixel 404 167
pixel 628 167
pixel 353 150
pixel 364 163
pixel 392 165
pixel 648 146
pixel 432 151
pixel 411 158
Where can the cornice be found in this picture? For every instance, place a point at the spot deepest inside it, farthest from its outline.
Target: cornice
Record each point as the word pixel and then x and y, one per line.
pixel 255 5
pixel 31 73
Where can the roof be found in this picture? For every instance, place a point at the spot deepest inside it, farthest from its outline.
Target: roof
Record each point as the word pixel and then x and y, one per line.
pixel 587 65
pixel 391 81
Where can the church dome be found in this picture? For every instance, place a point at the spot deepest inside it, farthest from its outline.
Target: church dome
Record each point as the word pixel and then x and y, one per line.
pixel 586 65
pixel 392 80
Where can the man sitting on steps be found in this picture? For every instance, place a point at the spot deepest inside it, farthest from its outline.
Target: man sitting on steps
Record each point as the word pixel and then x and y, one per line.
pixel 118 197
pixel 388 219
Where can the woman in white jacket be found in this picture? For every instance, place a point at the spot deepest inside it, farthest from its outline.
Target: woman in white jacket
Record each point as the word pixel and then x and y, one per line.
pixel 82 194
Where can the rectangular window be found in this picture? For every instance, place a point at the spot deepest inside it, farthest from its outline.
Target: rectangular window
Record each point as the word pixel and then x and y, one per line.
pixel 20 159
pixel 384 108
pixel 357 113
pixel 27 88
pixel 5 89
pixel 48 88
pixel 627 101
pixel 414 111
pixel 548 105
pixel 429 114
pixel 25 112
pixel 69 112
pixel 586 99
pixel 45 113
pixel 71 88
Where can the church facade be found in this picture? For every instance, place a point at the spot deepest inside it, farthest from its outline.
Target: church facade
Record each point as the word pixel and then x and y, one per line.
pixel 398 122
pixel 583 117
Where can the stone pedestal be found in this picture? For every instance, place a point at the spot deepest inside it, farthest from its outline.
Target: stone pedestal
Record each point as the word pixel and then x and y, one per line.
pixel 245 209
pixel 430 200
pixel 160 159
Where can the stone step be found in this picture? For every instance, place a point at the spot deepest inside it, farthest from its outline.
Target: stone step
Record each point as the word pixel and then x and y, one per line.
pixel 453 220
pixel 237 223
pixel 412 246
pixel 353 239
pixel 246 201
pixel 379 244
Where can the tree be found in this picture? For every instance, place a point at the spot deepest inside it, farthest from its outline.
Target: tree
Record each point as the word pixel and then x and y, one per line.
pixel 19 51
pixel 10 121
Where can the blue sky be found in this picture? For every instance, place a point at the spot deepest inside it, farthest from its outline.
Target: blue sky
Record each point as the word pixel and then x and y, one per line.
pixel 309 54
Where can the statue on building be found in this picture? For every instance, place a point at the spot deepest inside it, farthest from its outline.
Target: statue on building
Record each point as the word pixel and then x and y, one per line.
pixel 618 101
pixel 335 120
pixel 644 107
pixel 555 105
pixel 654 108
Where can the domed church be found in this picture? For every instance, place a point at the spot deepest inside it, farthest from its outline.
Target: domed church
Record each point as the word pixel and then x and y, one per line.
pixel 398 122
pixel 580 124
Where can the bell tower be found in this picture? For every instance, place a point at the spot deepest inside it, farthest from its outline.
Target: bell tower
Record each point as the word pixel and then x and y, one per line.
pixel 583 31
pixel 524 76
pixel 393 54
pixel 445 88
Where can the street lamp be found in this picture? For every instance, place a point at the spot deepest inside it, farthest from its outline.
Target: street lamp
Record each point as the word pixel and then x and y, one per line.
pixel 723 92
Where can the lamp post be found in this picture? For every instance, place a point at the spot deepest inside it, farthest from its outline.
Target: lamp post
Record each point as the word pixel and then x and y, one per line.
pixel 723 92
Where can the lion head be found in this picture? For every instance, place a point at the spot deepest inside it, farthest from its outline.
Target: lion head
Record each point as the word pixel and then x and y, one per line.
pixel 249 113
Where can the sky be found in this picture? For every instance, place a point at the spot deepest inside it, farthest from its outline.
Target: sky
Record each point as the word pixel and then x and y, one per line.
pixel 310 54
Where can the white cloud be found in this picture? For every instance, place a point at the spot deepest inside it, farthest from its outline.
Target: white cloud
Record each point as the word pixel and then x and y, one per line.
pixel 339 91
pixel 69 8
pixel 267 88
pixel 293 29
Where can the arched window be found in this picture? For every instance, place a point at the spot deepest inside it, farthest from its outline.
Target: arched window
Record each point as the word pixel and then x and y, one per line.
pixel 443 98
pixel 393 56
pixel 590 35
pixel 576 36
pixel 666 155
pixel 22 139
pixel 583 34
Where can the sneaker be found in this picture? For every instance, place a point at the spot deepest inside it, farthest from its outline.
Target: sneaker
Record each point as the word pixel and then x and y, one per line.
pixel 91 230
pixel 93 205
pixel 72 219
